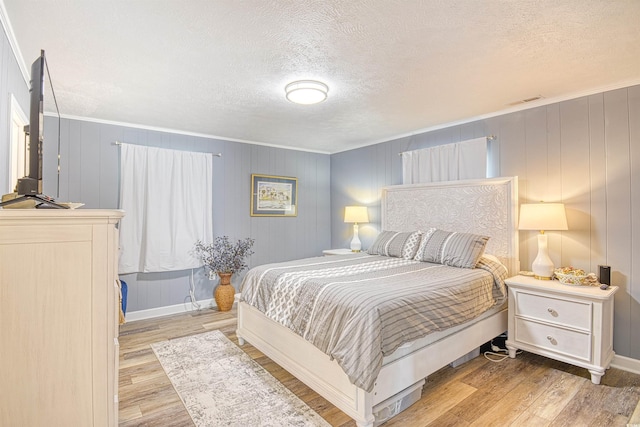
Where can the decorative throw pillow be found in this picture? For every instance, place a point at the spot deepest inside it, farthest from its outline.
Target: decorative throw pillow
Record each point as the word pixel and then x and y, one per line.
pixel 411 245
pixel 396 244
pixel 423 242
pixel 452 248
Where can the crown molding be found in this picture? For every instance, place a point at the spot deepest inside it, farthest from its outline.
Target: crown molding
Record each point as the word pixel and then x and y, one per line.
pixel 181 132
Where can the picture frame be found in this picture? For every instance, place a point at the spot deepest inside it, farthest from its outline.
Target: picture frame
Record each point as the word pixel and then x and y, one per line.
pixel 274 195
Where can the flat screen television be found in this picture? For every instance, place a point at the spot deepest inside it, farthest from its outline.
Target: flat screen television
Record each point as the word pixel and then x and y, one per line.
pixel 30 187
pixel 32 183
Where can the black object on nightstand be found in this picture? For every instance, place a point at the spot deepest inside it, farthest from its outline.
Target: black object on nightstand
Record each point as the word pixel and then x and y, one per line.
pixel 605 274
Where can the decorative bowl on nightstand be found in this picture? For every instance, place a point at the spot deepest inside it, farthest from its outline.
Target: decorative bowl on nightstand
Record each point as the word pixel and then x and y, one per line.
pixel 572 279
pixel 575 277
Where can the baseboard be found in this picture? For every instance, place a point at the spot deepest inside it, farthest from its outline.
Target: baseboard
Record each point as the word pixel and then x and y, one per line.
pixel 626 364
pixel 168 310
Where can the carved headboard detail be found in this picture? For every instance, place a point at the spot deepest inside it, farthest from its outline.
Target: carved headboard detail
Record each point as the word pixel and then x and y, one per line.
pixel 482 206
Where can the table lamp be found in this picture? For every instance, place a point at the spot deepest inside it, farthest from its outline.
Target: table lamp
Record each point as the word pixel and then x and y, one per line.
pixel 356 214
pixel 543 217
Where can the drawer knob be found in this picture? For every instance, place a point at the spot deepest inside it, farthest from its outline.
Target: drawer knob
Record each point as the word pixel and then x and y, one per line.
pixel 552 312
pixel 552 340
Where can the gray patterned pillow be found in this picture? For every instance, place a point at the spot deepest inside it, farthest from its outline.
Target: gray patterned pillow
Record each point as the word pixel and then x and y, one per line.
pixel 452 248
pixel 421 247
pixel 396 244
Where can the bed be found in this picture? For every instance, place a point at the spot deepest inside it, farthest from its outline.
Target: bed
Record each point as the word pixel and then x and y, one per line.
pixel 357 381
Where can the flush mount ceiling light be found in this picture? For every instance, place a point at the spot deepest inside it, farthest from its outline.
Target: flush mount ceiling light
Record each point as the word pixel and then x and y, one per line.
pixel 306 92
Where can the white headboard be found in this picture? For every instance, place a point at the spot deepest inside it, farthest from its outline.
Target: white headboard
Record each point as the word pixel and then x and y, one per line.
pixel 482 206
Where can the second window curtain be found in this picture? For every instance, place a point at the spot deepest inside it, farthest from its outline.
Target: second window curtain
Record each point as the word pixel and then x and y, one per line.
pixel 448 162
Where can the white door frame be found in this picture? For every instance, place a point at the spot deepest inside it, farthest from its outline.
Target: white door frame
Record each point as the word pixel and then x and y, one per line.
pixel 18 148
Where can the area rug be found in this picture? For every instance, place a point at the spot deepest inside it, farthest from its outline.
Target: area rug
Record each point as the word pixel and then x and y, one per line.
pixel 220 385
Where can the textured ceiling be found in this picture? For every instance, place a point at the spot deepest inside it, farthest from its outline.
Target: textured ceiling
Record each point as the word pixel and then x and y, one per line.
pixel 219 67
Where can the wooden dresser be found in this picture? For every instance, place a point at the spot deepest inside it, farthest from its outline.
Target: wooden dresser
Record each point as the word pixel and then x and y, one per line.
pixel 58 317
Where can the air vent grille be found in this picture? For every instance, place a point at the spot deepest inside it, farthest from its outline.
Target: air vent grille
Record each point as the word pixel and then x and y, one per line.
pixel 524 101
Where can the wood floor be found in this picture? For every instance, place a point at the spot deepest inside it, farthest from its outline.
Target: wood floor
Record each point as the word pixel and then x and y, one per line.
pixel 528 390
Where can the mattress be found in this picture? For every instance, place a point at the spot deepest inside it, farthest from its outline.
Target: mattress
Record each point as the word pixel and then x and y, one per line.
pixel 359 309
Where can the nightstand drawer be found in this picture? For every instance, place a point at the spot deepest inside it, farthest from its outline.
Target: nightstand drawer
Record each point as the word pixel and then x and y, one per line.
pixel 560 311
pixel 572 343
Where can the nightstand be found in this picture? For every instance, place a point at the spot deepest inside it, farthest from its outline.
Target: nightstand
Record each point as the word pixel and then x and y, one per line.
pixel 338 252
pixel 573 324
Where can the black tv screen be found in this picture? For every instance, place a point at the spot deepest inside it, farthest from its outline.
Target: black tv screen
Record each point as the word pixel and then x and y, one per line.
pixel 32 183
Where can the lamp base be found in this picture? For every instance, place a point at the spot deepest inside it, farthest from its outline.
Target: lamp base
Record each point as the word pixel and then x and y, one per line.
pixel 542 266
pixel 356 245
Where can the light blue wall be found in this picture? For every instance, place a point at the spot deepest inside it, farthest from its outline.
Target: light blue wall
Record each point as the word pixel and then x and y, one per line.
pixel 584 152
pixel 90 174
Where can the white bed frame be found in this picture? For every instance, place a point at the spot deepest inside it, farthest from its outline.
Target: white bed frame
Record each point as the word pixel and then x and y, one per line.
pixel 488 207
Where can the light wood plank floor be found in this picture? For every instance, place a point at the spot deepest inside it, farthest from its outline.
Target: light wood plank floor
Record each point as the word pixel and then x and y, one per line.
pixel 528 390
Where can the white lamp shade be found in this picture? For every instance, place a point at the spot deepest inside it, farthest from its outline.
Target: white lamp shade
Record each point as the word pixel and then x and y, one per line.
pixel 356 214
pixel 543 216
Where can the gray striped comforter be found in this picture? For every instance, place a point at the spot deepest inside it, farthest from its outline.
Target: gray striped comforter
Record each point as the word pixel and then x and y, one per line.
pixel 360 308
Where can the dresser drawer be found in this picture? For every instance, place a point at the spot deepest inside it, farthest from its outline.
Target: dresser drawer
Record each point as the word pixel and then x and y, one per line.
pixel 571 343
pixel 564 312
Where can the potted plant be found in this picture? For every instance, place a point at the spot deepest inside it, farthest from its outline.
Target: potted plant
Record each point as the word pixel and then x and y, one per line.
pixel 224 258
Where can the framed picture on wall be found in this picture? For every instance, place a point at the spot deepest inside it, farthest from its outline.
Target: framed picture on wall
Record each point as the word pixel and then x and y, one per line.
pixel 274 195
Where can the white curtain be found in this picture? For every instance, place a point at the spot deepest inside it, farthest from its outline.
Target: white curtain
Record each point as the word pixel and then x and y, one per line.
pixel 449 162
pixel 166 195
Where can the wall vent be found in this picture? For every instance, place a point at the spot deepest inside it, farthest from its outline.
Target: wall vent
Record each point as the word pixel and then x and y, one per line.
pixel 524 101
